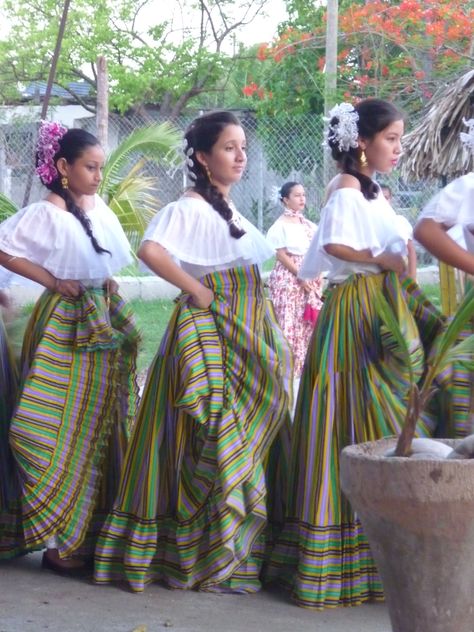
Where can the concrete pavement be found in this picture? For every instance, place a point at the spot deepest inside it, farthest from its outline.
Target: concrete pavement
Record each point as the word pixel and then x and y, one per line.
pixel 34 600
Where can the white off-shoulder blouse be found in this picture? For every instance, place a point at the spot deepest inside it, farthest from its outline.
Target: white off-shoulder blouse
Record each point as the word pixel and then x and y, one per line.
pixel 349 219
pixel 53 238
pixel 290 235
pixel 198 238
pixel 454 207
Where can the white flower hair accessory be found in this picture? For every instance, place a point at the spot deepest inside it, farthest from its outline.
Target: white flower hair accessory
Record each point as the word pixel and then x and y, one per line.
pixel 275 194
pixel 468 137
pixel 345 132
pixel 188 161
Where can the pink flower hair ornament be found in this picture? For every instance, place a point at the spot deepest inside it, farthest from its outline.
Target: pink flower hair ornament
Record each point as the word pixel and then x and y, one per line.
pixel 47 147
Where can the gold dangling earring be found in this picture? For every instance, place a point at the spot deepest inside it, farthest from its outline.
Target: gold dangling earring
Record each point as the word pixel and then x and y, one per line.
pixel 64 183
pixel 363 159
pixel 208 174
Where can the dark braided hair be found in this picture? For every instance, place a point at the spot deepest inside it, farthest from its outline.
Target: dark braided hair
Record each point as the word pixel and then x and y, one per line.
pixel 374 116
pixel 71 146
pixel 202 135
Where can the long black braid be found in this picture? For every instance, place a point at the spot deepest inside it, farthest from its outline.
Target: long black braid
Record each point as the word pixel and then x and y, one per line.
pixel 374 116
pixel 202 135
pixel 71 147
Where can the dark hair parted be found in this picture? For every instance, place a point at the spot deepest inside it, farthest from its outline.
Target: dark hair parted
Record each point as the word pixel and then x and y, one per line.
pixel 374 116
pixel 202 135
pixel 71 146
pixel 286 189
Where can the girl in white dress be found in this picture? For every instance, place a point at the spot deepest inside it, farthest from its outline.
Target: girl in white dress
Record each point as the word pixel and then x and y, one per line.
pixel 354 384
pixel 200 483
pixel 297 302
pixel 78 391
pixel 452 209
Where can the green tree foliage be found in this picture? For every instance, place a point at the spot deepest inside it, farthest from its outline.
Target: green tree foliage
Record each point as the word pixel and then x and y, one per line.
pixel 150 60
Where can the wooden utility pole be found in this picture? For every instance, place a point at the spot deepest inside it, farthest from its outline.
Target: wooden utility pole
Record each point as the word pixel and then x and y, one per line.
pixel 49 86
pixel 102 118
pixel 330 76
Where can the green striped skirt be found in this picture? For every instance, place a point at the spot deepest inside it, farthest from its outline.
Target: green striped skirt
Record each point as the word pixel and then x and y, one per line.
pixel 200 482
pixel 69 430
pixel 352 390
pixel 454 400
pixel 8 394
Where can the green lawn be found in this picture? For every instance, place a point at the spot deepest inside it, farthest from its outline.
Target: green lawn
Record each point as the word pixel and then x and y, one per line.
pixel 152 317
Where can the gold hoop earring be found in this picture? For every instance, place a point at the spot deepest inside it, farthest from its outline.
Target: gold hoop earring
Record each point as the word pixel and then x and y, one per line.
pixel 64 183
pixel 363 159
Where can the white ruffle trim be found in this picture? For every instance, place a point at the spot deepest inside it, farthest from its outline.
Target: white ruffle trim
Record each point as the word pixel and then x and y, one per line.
pixel 289 235
pixel 454 204
pixel 349 219
pixel 53 238
pixel 192 231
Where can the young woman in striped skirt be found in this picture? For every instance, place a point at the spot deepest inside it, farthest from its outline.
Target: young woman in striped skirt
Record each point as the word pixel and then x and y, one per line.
pixel 354 385
pixel 195 499
pixel 453 208
pixel 78 388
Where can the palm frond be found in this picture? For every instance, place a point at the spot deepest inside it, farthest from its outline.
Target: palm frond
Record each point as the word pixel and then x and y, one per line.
pixel 387 315
pixel 448 339
pixel 134 202
pixel 7 207
pixel 129 193
pixel 463 353
pixel 157 143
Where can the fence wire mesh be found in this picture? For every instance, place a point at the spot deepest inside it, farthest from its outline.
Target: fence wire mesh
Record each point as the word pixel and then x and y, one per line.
pixel 279 149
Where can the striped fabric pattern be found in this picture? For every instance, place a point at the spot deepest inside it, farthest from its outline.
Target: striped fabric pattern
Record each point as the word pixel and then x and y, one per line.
pixel 453 402
pixel 352 390
pixel 8 394
pixel 193 506
pixel 75 407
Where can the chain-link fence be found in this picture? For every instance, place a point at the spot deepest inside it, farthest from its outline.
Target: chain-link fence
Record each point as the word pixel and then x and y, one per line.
pixel 279 149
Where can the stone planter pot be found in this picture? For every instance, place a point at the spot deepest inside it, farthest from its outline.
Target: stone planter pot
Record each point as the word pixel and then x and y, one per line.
pixel 419 518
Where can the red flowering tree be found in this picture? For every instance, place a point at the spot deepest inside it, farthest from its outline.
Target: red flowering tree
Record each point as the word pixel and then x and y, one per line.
pixel 397 50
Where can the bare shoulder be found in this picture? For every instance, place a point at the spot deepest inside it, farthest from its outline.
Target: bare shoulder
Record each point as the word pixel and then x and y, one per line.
pixel 57 200
pixel 190 193
pixel 343 181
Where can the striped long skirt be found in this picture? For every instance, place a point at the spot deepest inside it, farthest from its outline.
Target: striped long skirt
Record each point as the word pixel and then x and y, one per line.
pixel 8 393
pixel 353 390
pixel 69 430
pixel 454 400
pixel 204 466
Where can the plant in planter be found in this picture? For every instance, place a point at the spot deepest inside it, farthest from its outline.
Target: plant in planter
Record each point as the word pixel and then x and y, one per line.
pixel 418 514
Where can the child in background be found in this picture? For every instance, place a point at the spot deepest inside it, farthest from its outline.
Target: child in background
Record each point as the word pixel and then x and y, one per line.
pixel 297 302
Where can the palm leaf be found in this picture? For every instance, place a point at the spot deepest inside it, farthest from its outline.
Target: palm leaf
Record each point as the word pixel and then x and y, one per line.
pixel 7 207
pixel 447 351
pixel 134 202
pixel 463 352
pixel 386 313
pixel 449 337
pixel 157 143
pixel 129 193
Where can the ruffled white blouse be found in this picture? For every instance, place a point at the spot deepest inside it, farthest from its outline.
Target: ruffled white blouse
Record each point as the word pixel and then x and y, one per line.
pixel 349 219
pixel 292 236
pixel 198 238
pixel 53 238
pixel 454 207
